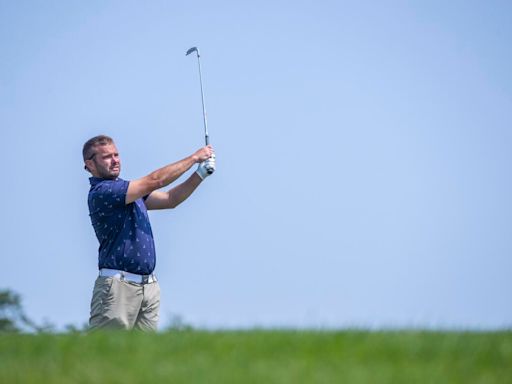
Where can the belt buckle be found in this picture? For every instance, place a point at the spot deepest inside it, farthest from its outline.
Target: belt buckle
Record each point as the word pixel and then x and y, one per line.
pixel 145 279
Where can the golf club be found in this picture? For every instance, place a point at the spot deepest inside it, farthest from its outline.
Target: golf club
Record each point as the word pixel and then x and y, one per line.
pixel 206 137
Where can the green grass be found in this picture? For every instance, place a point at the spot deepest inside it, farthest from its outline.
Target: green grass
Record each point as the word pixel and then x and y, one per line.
pixel 258 357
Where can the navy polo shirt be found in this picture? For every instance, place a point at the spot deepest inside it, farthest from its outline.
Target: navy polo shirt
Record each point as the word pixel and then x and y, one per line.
pixel 123 230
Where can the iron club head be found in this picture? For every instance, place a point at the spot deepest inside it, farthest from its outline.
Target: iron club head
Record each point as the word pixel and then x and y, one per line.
pixel 193 49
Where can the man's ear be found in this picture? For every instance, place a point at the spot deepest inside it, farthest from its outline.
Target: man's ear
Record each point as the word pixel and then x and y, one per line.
pixel 87 165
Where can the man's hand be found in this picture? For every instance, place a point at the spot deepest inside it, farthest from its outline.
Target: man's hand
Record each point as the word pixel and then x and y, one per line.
pixel 206 168
pixel 203 154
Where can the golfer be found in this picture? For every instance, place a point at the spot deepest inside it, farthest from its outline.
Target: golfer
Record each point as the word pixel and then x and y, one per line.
pixel 126 294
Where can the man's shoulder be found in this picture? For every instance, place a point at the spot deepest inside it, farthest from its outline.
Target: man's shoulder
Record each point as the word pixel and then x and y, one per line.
pixel 108 189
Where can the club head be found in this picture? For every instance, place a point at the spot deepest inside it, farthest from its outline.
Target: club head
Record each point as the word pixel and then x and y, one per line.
pixel 193 49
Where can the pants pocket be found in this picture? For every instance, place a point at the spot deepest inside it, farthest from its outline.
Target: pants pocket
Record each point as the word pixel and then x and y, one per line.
pixel 102 297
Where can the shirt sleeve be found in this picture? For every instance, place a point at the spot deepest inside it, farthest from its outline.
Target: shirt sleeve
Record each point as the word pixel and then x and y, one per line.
pixel 112 193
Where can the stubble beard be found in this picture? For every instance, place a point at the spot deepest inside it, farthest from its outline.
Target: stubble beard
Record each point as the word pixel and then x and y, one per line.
pixel 109 173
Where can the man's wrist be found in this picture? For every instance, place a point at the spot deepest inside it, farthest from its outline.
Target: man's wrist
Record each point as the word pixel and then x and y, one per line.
pixel 201 173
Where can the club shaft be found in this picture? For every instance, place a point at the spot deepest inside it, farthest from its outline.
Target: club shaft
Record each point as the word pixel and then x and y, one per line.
pixel 206 138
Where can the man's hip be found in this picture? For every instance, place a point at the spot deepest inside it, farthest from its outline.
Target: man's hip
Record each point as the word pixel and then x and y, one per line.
pixel 119 303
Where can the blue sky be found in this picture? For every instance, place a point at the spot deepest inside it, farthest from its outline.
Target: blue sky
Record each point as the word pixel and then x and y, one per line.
pixel 363 153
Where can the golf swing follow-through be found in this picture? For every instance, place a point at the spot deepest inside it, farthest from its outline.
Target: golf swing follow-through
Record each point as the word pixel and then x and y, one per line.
pixel 126 293
pixel 206 137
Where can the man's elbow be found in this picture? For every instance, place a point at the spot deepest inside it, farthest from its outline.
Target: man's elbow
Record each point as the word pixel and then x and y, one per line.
pixel 172 203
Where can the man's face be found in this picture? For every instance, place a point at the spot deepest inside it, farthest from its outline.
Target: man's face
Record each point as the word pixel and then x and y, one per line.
pixel 105 163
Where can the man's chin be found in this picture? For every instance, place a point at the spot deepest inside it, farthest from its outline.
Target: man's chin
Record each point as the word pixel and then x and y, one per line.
pixel 112 175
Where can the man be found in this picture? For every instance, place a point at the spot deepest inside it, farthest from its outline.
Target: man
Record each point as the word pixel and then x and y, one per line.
pixel 126 293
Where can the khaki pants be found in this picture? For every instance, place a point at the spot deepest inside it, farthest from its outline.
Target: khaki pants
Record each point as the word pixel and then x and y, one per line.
pixel 120 304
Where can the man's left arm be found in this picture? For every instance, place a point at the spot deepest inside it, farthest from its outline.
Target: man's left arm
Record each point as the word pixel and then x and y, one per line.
pixel 177 195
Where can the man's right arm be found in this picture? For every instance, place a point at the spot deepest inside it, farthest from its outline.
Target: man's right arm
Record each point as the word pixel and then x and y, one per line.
pixel 165 176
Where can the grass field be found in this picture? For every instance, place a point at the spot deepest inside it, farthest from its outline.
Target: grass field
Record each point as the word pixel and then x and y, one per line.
pixel 258 357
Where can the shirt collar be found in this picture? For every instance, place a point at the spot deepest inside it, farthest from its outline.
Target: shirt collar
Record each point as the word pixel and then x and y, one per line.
pixel 96 180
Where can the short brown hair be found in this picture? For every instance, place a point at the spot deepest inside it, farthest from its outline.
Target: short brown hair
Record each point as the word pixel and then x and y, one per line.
pixel 88 150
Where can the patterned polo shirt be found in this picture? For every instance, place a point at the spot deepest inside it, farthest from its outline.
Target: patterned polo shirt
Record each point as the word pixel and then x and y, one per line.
pixel 123 230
